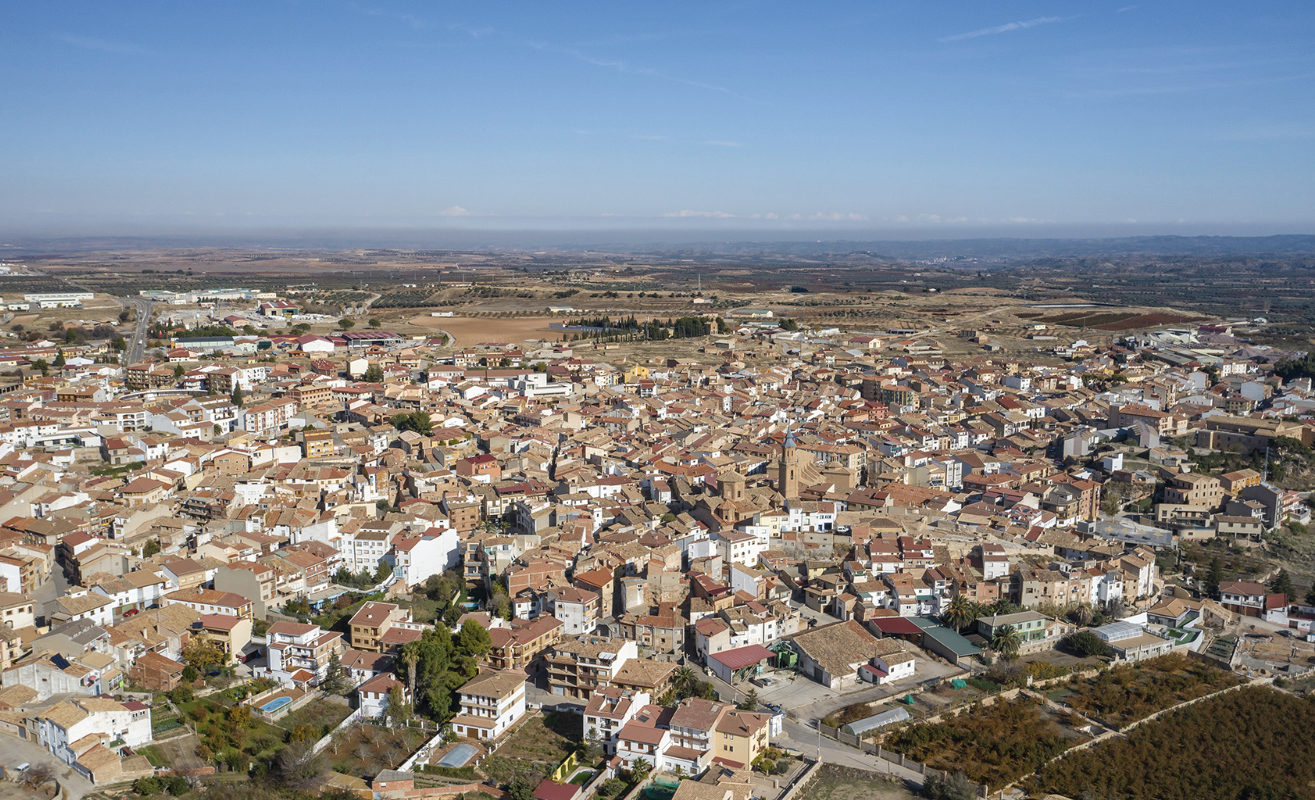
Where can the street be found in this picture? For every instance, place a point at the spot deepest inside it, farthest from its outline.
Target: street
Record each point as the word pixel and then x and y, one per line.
pixel 136 349
pixel 15 751
pixel 808 741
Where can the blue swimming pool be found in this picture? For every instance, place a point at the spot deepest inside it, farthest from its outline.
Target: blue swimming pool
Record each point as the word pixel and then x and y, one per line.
pixel 457 756
pixel 276 704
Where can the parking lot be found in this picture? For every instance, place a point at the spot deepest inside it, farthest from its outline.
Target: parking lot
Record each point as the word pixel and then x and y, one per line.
pixel 807 700
pixel 16 751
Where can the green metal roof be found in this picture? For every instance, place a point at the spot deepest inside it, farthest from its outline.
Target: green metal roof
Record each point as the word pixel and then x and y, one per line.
pixel 949 639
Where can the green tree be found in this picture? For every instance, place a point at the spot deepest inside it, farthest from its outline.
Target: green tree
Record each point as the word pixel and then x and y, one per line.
pixel 346 324
pixel 374 323
pixel 946 786
pixel 417 421
pixel 399 711
pixel 750 701
pixel 41 366
pixel 639 770
pixel 960 612
pixel 1213 576
pixel 374 374
pixel 151 547
pixel 520 789
pixel 59 358
pixel 202 653
pixel 500 603
pixel 335 677
pixel 179 371
pixel 1086 643
pixel 473 640
pixel 1006 642
pixel 237 396
pixel 1282 584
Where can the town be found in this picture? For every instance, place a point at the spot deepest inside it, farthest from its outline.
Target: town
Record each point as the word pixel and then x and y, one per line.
pixel 721 550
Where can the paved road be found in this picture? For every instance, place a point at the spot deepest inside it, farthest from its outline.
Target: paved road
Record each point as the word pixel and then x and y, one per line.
pixel 15 751
pixel 806 739
pixel 137 346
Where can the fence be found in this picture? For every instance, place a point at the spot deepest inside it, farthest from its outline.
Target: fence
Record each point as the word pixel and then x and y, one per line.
pixel 800 781
pixel 890 756
pixel 328 737
pixel 422 753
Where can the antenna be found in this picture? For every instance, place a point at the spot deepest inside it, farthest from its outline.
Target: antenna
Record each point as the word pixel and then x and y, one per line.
pixel 1265 477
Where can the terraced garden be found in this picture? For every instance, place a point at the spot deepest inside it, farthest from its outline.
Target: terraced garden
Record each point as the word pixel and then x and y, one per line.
pixel 1125 694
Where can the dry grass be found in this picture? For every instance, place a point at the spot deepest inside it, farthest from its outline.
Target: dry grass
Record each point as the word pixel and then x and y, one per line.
pixel 473 330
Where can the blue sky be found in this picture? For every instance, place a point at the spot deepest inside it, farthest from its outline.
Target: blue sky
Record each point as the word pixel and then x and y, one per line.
pixel 758 115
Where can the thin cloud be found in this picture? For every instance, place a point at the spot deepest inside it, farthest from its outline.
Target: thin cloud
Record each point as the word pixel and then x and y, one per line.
pixel 723 143
pixel 686 213
pixel 99 45
pixel 454 211
pixel 626 68
pixel 1270 132
pixel 1008 27
pixel 1125 9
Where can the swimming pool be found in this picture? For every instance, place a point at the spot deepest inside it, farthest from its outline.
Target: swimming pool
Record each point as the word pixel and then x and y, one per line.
pixel 457 756
pixel 276 704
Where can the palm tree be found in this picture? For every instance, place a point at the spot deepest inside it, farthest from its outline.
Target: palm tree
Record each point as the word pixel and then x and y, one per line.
pixel 960 612
pixel 1081 615
pixel 684 678
pixel 410 656
pixel 1006 642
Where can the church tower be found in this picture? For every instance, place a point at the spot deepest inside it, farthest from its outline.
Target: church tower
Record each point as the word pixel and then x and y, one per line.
pixel 787 478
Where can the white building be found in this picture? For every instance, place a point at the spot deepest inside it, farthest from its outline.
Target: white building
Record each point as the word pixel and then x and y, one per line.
pixel 609 709
pixel 433 552
pixel 81 732
pixel 372 696
pixel 299 653
pixel 491 702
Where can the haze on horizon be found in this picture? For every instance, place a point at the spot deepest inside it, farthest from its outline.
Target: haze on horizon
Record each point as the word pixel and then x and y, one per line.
pixel 760 119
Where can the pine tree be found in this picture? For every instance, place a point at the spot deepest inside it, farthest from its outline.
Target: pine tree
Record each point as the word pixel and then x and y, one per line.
pixel 1213 576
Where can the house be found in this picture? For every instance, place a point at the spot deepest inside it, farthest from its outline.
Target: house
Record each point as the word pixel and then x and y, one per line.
pixel 1243 597
pixel 519 644
pixel 891 663
pixel 228 633
pixel 608 710
pixel 300 653
pixel 373 695
pixel 490 703
pixel 1132 642
pixel 576 608
pixel 82 733
pixel 372 621
pixel 156 672
pixel 832 654
pixel 1035 630
pixel 210 601
pixel 578 666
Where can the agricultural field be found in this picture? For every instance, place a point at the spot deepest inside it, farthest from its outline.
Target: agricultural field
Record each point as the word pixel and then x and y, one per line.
pixel 994 745
pixel 1125 694
pixel 318 717
pixel 1106 320
pixel 1244 745
pixel 468 331
pixel 363 750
